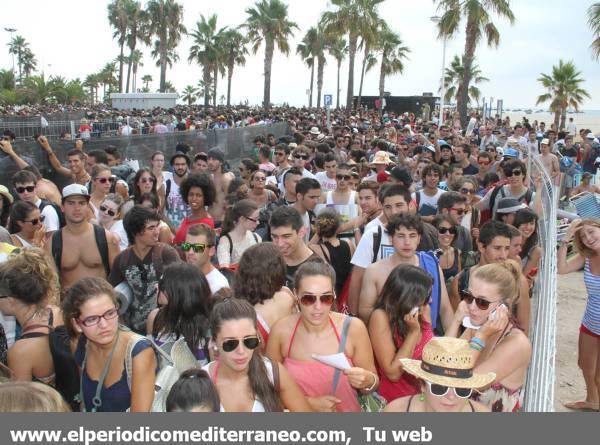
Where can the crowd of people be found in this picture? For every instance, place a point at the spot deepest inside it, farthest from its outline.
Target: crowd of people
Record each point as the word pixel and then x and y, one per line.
pixel 385 263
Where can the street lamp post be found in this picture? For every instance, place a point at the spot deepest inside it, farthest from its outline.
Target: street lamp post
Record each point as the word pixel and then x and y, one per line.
pixel 436 19
pixel 12 31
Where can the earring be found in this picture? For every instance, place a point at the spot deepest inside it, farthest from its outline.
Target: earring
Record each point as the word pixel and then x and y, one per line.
pixel 422 397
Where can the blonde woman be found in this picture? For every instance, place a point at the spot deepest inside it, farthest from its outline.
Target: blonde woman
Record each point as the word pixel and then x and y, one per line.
pixel 31 397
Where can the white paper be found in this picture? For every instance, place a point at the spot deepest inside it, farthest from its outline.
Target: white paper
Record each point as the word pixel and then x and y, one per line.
pixel 467 324
pixel 339 360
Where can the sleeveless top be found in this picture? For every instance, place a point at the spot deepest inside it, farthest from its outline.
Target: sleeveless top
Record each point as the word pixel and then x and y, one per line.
pixel 263 328
pixel 316 378
pixel 407 384
pixel 339 257
pixel 453 269
pixel 413 396
pixel 23 241
pixel 347 211
pixel 591 316
pixel 48 380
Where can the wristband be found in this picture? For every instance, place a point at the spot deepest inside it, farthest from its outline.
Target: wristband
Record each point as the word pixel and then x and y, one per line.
pixel 478 342
pixel 475 346
pixel 372 387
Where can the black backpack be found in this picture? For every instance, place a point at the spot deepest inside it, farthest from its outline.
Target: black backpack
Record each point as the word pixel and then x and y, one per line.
pixel 101 242
pixel 65 368
pixel 61 217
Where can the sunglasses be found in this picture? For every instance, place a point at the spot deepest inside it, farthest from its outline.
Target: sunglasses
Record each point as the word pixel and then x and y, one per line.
pixel 484 162
pixel 95 319
pixel 459 212
pixel 254 220
pixel 147 180
pixel 468 298
pixel 250 343
pixel 444 230
pixel 303 157
pixel 105 180
pixel 467 191
pixel 442 390
pixel 196 247
pixel 279 153
pixel 344 177
pixel 310 299
pixel 36 221
pixel 29 189
pixel 105 209
pixel 515 172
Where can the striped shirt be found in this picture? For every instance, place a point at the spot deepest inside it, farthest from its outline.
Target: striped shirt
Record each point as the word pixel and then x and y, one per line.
pixel 591 316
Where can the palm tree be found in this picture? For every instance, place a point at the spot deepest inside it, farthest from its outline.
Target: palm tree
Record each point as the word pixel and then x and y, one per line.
pixel 594 23
pixel 19 47
pixel 393 52
pixel 136 61
pixel 234 52
pixel 355 18
pixel 7 80
pixel 92 82
pixel 205 50
pixel 147 79
pixel 268 21
pixel 29 62
pixel 563 90
pixel 368 43
pixel 477 14
pixel 107 78
pixel 137 27
pixel 36 89
pixel 206 86
pixel 165 22
pixel 118 19
pixel 189 94
pixel 169 88
pixel 453 75
pixel 338 49
pixel 306 50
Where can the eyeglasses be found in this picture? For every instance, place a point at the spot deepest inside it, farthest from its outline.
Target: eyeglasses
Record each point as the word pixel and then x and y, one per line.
pixel 444 230
pixel 442 390
pixel 279 153
pixel 303 157
pixel 481 303
pixel 104 180
pixel 29 189
pixel 515 172
pixel 459 212
pixel 484 162
pixel 105 209
pixel 260 178
pixel 36 221
pixel 344 177
pixel 465 191
pixel 196 247
pixel 250 343
pixel 147 180
pixel 254 220
pixel 95 319
pixel 310 299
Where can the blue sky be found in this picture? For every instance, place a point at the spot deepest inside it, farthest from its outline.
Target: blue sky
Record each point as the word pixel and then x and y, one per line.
pixel 72 38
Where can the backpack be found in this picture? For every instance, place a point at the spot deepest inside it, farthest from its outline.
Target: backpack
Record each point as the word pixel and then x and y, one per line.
pixel 376 243
pixel 167 191
pixel 65 368
pixel 429 263
pixel 487 214
pixel 173 358
pixel 101 242
pixel 61 217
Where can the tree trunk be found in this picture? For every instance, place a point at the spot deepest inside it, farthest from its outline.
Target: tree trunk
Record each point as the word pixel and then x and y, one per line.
pixel 20 63
pixel 351 56
pixel 163 64
pixel 563 119
pixel 462 95
pixel 215 76
pixel 382 82
pixel 269 50
pixel 121 68
pixel 312 80
pixel 337 99
pixel 362 74
pixel 229 77
pixel 206 78
pixel 556 118
pixel 134 80
pixel 129 65
pixel 320 69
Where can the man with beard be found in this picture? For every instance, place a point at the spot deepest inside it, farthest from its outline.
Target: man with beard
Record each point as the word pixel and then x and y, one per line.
pixel 175 207
pixel 221 179
pixel 81 249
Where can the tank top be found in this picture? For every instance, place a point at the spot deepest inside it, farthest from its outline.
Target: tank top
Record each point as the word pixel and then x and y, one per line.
pixel 591 316
pixel 453 269
pixel 316 379
pixel 49 379
pixel 339 257
pixel 347 211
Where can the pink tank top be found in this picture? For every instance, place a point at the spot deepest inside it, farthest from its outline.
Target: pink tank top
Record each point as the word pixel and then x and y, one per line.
pixel 316 379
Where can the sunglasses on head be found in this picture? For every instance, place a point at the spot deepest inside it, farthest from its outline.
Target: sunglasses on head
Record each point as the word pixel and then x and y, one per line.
pixel 250 343
pixel 105 180
pixel 468 297
pixel 465 191
pixel 442 390
pixel 29 189
pixel 344 177
pixel 310 299
pixel 36 221
pixel 444 230
pixel 105 209
pixel 196 247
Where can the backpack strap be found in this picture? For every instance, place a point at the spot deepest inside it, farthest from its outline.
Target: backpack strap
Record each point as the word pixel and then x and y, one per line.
pixel 337 374
pixel 494 194
pixel 57 248
pixel 133 341
pixel 376 243
pixel 102 243
pixel 230 245
pixel 418 199
pixel 255 237
pixel 167 191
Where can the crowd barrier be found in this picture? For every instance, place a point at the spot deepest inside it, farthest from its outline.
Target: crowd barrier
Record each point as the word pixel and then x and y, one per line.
pixel 236 143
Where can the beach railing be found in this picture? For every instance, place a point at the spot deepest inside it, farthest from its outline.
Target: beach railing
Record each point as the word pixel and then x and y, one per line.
pixel 539 386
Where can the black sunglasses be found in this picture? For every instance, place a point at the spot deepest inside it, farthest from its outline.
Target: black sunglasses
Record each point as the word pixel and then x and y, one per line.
pixel 105 209
pixel 105 180
pixel 196 247
pixel 303 157
pixel 279 153
pixel 344 177
pixel 29 189
pixel 36 221
pixel 444 230
pixel 250 343
pixel 310 299
pixel 515 172
pixel 467 191
pixel 481 303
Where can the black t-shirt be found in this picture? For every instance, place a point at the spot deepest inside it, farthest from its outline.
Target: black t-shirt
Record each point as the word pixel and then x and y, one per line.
pixel 470 170
pixel 290 271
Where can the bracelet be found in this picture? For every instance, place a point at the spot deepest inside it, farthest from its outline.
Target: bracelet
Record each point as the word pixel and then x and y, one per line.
pixel 475 346
pixel 478 341
pixel 375 381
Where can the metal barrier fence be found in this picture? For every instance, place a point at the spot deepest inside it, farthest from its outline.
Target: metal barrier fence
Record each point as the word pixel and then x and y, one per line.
pixel 235 143
pixel 54 129
pixel 539 387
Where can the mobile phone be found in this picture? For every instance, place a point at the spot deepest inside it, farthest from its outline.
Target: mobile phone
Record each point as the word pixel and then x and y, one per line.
pixel 414 311
pixel 492 316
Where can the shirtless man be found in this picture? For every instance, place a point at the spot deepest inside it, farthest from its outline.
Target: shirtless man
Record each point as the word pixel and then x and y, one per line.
pixel 222 179
pixel 586 185
pixel 75 159
pixel 550 162
pixel 406 231
pixel 75 247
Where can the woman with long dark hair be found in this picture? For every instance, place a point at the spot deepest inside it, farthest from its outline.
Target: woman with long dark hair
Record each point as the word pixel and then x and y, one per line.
pixel 26 225
pixel 400 327
pixel 237 232
pixel 531 253
pixel 144 181
pixel 246 380
pixel 184 301
pixel 260 280
pixel 194 392
pixel 6 200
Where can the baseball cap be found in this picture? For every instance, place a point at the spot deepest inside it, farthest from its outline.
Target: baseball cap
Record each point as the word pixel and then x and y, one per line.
pixel 545 141
pixel 511 153
pixel 75 190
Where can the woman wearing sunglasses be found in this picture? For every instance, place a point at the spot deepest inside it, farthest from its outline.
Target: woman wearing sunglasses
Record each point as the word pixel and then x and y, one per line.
pixel 449 256
pixel 498 344
pixel 101 183
pixel 246 380
pixel 26 225
pixel 317 330
pixel 261 195
pixel 237 233
pixel 468 187
pixel 144 181
pixel 260 280
pixel 447 377
pixel 399 327
pixel 110 218
pixel 184 303
pixel 103 348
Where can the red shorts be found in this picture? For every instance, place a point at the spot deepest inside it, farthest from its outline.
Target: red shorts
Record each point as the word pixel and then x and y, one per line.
pixel 586 331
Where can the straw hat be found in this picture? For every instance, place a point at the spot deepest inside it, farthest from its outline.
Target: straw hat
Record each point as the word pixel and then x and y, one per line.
pixel 381 157
pixel 449 362
pixel 4 192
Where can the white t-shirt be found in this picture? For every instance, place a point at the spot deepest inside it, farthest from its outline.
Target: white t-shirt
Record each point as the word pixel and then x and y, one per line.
pixel 327 184
pixel 216 280
pixel 118 228
pixel 51 220
pixel 427 204
pixel 363 255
